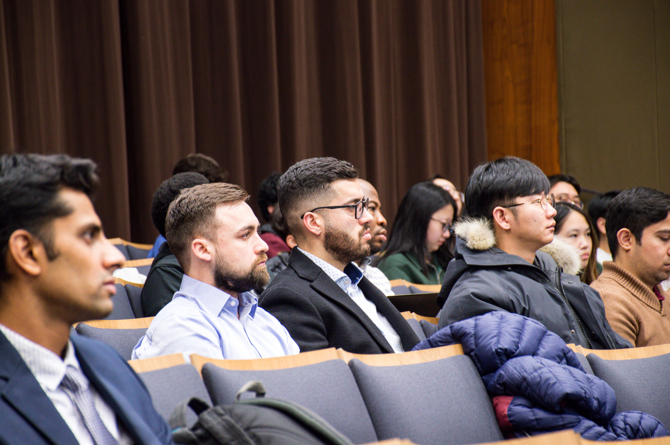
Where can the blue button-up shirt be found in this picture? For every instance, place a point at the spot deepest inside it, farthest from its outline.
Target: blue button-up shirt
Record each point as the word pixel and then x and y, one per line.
pixel 202 319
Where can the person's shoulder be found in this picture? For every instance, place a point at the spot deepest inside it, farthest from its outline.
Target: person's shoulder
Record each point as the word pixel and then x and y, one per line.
pixel 395 259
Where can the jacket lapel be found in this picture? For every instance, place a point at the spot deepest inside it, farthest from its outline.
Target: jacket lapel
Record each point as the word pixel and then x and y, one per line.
pixel 20 389
pixel 124 410
pixel 324 285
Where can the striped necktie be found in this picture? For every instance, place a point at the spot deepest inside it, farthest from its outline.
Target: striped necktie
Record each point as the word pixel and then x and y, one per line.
pixel 76 387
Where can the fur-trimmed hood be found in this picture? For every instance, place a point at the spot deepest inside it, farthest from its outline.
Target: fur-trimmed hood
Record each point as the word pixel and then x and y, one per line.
pixel 478 234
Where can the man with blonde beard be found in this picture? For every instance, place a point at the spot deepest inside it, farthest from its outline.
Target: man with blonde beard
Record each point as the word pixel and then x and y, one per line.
pixel 214 234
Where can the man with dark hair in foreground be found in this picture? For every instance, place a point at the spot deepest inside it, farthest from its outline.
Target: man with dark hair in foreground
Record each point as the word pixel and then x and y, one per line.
pixel 638 232
pixel 498 265
pixel 322 297
pixel 56 270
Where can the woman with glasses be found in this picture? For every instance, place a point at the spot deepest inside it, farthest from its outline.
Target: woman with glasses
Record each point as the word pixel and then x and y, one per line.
pixel 418 247
pixel 575 228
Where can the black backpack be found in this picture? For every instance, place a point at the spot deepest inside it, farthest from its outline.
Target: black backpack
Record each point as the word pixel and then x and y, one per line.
pixel 256 421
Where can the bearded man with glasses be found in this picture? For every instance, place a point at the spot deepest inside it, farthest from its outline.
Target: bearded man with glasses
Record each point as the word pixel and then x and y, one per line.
pixel 499 265
pixel 322 297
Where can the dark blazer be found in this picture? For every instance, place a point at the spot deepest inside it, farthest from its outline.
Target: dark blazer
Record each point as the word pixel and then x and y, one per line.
pixel 27 415
pixel 319 314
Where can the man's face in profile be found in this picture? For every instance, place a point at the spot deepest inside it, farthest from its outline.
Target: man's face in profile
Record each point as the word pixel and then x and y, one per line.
pixel 239 264
pixel 77 283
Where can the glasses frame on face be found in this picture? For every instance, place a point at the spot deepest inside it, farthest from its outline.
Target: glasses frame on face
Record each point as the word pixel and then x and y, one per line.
pixel 446 227
pixel 358 207
pixel 542 200
pixel 579 203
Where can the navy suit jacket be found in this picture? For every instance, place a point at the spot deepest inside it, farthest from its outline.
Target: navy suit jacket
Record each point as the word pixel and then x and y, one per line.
pixel 319 314
pixel 27 415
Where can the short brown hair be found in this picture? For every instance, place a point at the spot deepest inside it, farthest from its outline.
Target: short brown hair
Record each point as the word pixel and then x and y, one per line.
pixel 192 214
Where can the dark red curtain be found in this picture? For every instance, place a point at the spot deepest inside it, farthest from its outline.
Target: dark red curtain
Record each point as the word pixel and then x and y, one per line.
pixel 394 86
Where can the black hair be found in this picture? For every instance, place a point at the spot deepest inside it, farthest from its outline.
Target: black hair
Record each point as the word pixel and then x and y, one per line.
pixel 168 191
pixel 29 188
pixel 278 223
pixel 203 164
pixel 598 205
pixel 267 195
pixel 553 179
pixel 563 210
pixel 499 182
pixel 634 209
pixel 408 233
pixel 307 181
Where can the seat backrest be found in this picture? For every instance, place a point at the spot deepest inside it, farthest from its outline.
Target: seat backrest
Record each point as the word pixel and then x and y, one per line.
pixel 639 383
pixel 435 402
pixel 423 304
pixel 122 340
pixel 137 253
pixel 327 388
pixel 169 387
pixel 134 297
pixel 132 251
pixel 416 327
pixel 124 250
pixel 122 307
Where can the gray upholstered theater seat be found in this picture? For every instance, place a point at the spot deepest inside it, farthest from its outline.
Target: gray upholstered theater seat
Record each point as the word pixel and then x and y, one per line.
pixel 122 308
pixel 438 402
pixel 170 386
pixel 327 388
pixel 639 384
pixel 122 340
pixel 134 297
pixel 416 327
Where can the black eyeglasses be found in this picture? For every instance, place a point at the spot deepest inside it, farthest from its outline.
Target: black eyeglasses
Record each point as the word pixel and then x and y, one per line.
pixel 446 227
pixel 359 207
pixel 543 201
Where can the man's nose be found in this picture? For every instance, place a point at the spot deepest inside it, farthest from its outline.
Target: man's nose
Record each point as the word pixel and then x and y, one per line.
pixel 365 218
pixel 113 258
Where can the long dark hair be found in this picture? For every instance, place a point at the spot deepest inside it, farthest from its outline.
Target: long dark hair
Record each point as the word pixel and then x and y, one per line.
pixel 408 234
pixel 563 210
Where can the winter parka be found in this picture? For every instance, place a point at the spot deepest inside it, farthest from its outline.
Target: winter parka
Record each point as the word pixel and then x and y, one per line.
pixel 482 278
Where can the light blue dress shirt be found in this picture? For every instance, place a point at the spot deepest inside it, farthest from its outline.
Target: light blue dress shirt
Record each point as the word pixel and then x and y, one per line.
pixel 202 319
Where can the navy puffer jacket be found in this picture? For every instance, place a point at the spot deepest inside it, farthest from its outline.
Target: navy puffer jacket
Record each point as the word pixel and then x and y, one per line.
pixel 537 382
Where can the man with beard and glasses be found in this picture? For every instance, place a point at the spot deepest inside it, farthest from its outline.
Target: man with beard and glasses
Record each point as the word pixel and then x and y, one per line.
pixel 214 235
pixel 322 297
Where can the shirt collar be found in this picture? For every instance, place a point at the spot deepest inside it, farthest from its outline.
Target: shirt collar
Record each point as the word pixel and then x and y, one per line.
pixel 216 300
pixel 352 273
pixel 47 367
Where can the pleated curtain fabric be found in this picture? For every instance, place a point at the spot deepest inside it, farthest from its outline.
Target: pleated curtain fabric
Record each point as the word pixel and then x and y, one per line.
pixel 394 86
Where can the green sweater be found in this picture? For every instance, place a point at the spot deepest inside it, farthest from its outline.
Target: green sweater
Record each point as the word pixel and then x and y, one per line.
pixel 406 266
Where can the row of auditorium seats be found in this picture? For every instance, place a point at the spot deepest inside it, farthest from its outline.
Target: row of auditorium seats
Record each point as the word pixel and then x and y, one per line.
pixel 123 334
pixel 433 396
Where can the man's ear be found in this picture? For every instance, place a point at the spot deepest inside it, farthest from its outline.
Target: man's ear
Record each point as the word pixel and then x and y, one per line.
pixel 625 239
pixel 600 224
pixel 202 249
pixel 501 218
pixel 25 251
pixel 313 223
